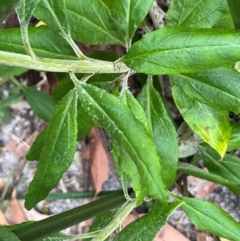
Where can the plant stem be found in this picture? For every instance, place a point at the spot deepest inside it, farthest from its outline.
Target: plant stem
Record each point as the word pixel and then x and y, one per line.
pixel 118 219
pixel 44 228
pixel 70 195
pixel 60 65
pixel 24 30
pixel 75 48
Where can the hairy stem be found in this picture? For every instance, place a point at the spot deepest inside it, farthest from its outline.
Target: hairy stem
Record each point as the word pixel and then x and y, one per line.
pixel 26 42
pixel 60 65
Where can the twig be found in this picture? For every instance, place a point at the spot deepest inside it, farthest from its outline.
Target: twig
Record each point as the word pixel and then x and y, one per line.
pixel 158 15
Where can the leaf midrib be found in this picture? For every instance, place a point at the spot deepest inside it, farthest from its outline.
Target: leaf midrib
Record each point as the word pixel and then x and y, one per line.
pixel 97 26
pixel 53 148
pixel 201 214
pixel 230 95
pixel 147 54
pixel 218 164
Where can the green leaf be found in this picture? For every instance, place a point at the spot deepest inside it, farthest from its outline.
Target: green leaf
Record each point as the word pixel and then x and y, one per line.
pixel 25 10
pixel 36 149
pixel 122 177
pixel 102 221
pixel 228 167
pixel 55 13
pixel 61 236
pixel 64 85
pixel 90 22
pixel 127 133
pixel 206 87
pixel 193 14
pixel 13 97
pixel 5 115
pixel 207 216
pixel 84 121
pixel 211 124
pixel 104 55
pixel 235 11
pixel 147 226
pixel 125 166
pixel 163 131
pixel 137 110
pixel 197 172
pixel 84 124
pixel 234 142
pixel 6 71
pixel 158 52
pixel 188 141
pixel 58 150
pixel 6 7
pixel 44 41
pixel 57 236
pixel 103 81
pixel 18 225
pixel 225 22
pixel 41 103
pixel 128 15
pixel 123 162
pixel 6 234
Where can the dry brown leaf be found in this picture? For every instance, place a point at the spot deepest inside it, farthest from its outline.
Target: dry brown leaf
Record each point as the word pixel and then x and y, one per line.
pixel 11 145
pixel 18 147
pixel 99 159
pixel 15 213
pixel 84 226
pixel 2 184
pixel 200 188
pixel 3 220
pixel 168 233
pixel 22 149
pixel 201 236
pixel 130 218
pixel 32 215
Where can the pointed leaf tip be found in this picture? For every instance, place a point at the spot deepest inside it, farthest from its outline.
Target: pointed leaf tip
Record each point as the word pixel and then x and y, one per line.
pixel 58 150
